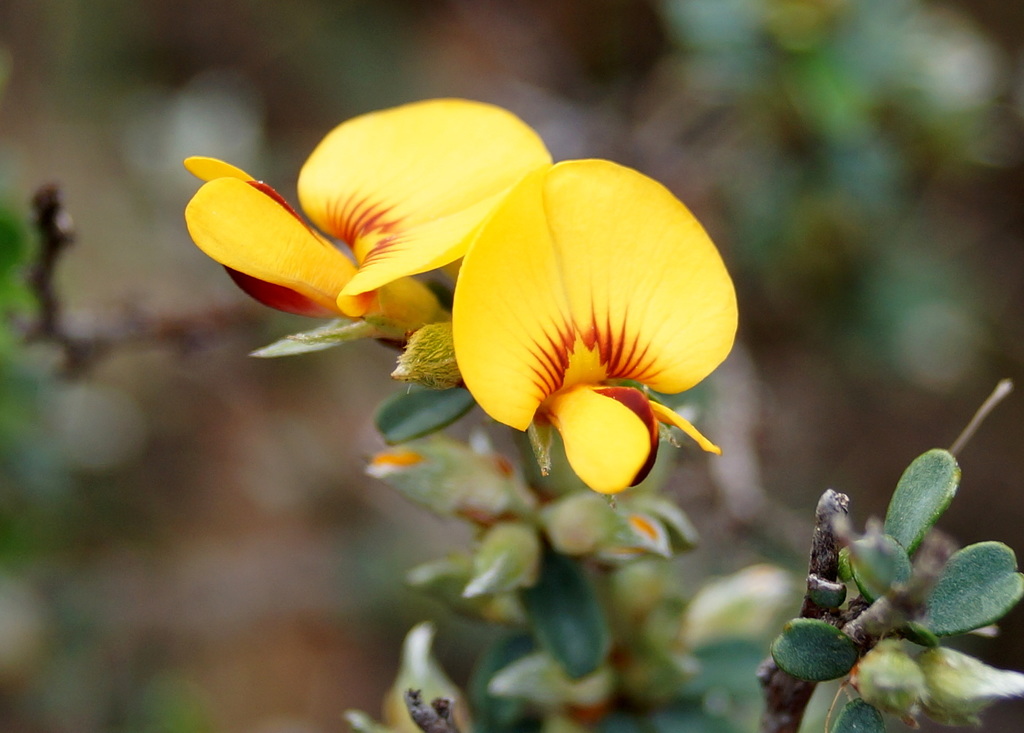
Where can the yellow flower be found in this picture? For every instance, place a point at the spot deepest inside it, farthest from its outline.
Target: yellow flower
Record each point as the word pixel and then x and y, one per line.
pixel 404 188
pixel 588 275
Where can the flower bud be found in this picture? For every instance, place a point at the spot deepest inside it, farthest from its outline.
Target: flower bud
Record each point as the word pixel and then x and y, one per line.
pixel 638 587
pixel 539 679
pixel 446 579
pixel 744 604
pixel 420 671
pixel 888 678
pixel 583 523
pixel 450 478
pixel 508 558
pixel 958 686
pixel 429 358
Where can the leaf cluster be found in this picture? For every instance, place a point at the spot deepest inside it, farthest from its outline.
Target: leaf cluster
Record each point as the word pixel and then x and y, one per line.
pixel 911 586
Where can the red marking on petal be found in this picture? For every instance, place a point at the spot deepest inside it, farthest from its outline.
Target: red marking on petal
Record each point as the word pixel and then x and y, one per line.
pixel 278 198
pixel 551 360
pixel 352 218
pixel 619 352
pixel 278 296
pixel 638 403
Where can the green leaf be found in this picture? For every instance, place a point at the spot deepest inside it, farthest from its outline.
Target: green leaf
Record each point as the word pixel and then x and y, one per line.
pixel 335 333
pixel 877 561
pixel 978 587
pixel 691 717
pixel 490 712
pixel 919 634
pixel 566 616
pixel 415 412
pixel 923 493
pixel 814 650
pixel 622 722
pixel 858 717
pixel 507 558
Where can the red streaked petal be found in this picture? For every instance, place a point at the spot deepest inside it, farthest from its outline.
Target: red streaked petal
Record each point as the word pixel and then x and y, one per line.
pixel 510 317
pixel 278 296
pixel 610 436
pixel 247 227
pixel 406 187
pixel 646 286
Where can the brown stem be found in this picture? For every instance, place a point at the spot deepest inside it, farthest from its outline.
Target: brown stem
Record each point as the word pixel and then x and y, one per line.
pixel 786 697
pixel 83 344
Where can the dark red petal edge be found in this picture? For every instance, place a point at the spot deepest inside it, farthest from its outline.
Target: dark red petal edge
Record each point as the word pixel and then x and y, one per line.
pixel 278 296
pixel 637 401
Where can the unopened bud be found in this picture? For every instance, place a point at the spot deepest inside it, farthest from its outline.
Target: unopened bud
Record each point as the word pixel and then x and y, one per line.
pixel 450 478
pixel 429 358
pixel 958 686
pixel 508 558
pixel 584 523
pixel 888 678
pixel 420 671
pixel 541 680
pixel 744 604
pixel 446 579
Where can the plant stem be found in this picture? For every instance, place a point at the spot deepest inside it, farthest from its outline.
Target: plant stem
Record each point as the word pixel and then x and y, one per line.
pixel 786 697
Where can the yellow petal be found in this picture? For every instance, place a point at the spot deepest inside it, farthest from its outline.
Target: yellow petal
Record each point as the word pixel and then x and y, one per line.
pixel 608 445
pixel 588 271
pixel 206 169
pixel 251 230
pixel 671 417
pixel 510 317
pixel 406 187
pixel 645 285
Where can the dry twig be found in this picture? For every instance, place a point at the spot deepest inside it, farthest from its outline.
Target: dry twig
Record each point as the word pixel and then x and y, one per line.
pixel 84 344
pixel 434 718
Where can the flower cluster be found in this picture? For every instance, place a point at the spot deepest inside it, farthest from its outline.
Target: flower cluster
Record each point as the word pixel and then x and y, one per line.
pixel 583 285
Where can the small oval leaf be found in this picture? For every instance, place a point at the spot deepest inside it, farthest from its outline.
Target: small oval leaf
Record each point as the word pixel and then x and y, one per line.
pixel 923 493
pixel 416 412
pixel 877 562
pixel 814 650
pixel 858 716
pixel 566 617
pixel 978 587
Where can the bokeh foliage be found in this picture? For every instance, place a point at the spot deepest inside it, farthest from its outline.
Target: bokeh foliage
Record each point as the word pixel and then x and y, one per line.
pixel 854 159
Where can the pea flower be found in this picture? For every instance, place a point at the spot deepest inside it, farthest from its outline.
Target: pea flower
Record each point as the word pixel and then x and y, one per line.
pixel 588 283
pixel 404 189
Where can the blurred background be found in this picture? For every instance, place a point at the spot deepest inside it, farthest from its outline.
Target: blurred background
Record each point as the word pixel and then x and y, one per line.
pixel 187 540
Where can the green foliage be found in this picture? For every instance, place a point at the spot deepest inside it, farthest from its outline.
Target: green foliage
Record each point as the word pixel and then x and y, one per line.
pixel 416 412
pixel 923 493
pixel 566 616
pixel 973 588
pixel 814 650
pixel 877 561
pixel 493 714
pixel 508 557
pixel 978 587
pixel 335 333
pixel 858 717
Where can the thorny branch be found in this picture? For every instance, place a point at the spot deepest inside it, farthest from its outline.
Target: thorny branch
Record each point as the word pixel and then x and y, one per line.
pixel 434 718
pixel 84 344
